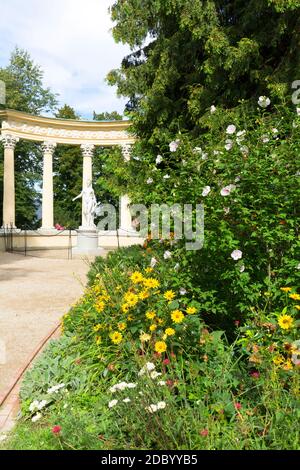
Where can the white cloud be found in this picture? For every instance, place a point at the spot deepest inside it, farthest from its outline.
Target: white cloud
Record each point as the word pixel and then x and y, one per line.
pixel 71 40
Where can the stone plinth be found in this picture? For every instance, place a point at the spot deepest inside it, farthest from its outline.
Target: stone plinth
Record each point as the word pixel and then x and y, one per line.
pixel 87 242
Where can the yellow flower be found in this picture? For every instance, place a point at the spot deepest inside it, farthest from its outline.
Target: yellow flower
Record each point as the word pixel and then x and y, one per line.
pixel 116 337
pixel 131 298
pixel 285 289
pixel 278 360
pixel 160 346
pixel 165 337
pixel 143 295
pixel 170 331
pixel 285 322
pixel 297 307
pixel 169 295
pixel 122 326
pixel 97 327
pixel 151 283
pixel 130 318
pixel 152 327
pixel 136 277
pixel 99 306
pixel 150 315
pixel 177 316
pixel 191 310
pixel 144 337
pixel 160 321
pixel 98 340
pixel 125 308
pixel 287 365
pixel 294 296
pixel 148 270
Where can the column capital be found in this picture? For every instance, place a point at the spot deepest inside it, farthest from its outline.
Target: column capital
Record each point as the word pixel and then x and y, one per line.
pixel 9 141
pixel 49 147
pixel 126 151
pixel 87 150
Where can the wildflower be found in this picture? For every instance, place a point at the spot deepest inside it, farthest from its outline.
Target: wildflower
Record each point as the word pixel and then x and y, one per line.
pixel 170 331
pixel 144 337
pixel 155 374
pixel 112 403
pixel 153 262
pixel 149 270
pixel 136 277
pixel 55 388
pixel 230 129
pixel 122 326
pixel 125 308
pixel 285 322
pixel 97 327
pixel 161 405
pixel 34 405
pixel 182 291
pixel 294 296
pixel 56 430
pixel 126 400
pixel 174 145
pixel 143 295
pixel 278 360
pixel 36 417
pixel 242 268
pixel 98 340
pixel 149 181
pixel 167 255
pixel 152 408
pixel 130 318
pixel 227 190
pixel 255 375
pixel 131 298
pixel 170 383
pixel 264 101
pixel 159 159
pixel 169 295
pixel 204 432
pixel 99 306
pixel 298 111
pixel 285 289
pixel 166 361
pixel 116 337
pixel 288 365
pixel 228 144
pixel 149 366
pixel 213 109
pixel 150 315
pixel 166 177
pixel 177 316
pixel 237 406
pixel 160 346
pixel 297 307
pixel 237 323
pixel 151 283
pixel 265 139
pixel 191 310
pixel 177 266
pixel 153 327
pixel 206 191
pixel 161 383
pixel 236 255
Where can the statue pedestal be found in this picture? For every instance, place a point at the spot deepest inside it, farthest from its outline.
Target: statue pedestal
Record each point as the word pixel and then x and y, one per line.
pixel 87 242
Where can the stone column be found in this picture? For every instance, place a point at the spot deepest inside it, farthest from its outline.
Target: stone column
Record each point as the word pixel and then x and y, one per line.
pixel 47 200
pixel 9 218
pixel 87 173
pixel 125 215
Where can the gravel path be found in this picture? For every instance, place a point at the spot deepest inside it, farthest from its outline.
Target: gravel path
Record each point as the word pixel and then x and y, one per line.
pixel 34 294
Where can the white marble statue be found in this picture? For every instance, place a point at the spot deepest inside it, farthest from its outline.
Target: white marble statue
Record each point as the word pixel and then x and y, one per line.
pixel 89 204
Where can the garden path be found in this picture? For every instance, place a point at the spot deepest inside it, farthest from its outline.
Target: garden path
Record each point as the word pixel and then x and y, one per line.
pixel 34 294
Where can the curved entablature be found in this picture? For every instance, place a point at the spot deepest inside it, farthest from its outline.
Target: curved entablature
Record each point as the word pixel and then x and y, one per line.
pixel 64 131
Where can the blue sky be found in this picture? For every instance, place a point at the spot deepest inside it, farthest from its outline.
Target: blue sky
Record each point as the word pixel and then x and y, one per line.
pixel 72 41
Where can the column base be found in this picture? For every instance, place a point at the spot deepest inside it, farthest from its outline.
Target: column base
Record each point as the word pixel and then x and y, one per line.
pixel 5 229
pixel 128 232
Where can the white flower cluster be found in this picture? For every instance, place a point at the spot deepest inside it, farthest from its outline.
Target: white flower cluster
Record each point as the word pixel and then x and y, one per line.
pixel 55 388
pixel 148 367
pixel 37 405
pixel 240 136
pixel 159 406
pixel 121 386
